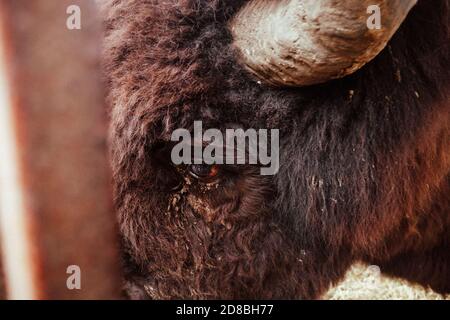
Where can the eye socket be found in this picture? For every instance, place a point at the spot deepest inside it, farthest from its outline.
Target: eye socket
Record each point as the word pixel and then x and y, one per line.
pixel 204 171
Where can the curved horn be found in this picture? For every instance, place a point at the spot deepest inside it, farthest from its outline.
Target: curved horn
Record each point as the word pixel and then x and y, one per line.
pixel 305 42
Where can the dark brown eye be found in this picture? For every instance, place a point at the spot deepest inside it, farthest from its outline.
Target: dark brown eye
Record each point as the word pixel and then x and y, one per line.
pixel 204 171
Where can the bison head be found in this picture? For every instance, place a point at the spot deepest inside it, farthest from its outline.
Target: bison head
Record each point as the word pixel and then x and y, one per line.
pixel 363 158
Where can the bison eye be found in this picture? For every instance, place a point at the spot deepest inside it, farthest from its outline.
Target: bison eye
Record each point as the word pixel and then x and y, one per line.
pixel 204 171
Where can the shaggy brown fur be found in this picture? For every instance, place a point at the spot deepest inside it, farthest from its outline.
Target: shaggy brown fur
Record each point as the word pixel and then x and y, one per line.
pixel 365 160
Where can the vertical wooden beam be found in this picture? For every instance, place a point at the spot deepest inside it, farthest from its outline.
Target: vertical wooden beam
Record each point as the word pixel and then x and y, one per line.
pixel 55 197
pixel 2 280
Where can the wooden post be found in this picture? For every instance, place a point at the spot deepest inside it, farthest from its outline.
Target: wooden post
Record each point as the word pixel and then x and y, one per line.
pixel 55 193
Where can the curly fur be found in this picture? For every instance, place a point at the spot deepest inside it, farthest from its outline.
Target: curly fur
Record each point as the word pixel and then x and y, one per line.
pixel 365 160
